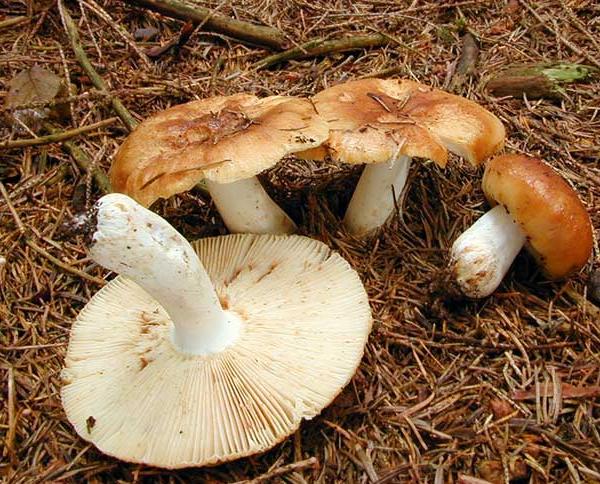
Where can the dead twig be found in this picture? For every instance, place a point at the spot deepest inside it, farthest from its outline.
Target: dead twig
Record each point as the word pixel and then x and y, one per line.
pixel 13 21
pixel 245 31
pixel 57 136
pixel 84 162
pixel 318 47
pixel 83 59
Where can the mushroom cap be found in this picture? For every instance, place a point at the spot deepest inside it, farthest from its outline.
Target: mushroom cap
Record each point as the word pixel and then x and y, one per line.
pixel 305 322
pixel 555 221
pixel 375 120
pixel 223 139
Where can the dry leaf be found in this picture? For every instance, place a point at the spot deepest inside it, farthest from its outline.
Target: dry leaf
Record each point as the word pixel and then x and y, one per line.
pixel 31 86
pixel 568 391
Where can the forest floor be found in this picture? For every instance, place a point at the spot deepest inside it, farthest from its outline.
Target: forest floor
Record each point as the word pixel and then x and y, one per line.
pixel 503 388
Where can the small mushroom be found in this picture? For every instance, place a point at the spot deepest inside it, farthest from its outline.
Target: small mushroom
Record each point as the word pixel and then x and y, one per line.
pixel 384 123
pixel 196 355
pixel 533 206
pixel 225 140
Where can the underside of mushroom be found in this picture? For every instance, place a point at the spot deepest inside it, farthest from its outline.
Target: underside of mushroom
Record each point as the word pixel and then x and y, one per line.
pixel 199 355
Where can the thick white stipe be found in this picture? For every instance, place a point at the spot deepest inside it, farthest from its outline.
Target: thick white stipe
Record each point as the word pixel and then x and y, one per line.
pixel 142 246
pixel 373 200
pixel 482 255
pixel 247 208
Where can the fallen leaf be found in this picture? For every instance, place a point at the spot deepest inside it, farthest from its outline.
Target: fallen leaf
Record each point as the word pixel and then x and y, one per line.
pixel 567 391
pixel 31 86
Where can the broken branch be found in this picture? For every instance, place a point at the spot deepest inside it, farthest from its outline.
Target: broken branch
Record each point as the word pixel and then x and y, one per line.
pixel 85 63
pixel 537 81
pixel 84 162
pixel 56 136
pixel 245 31
pixel 320 46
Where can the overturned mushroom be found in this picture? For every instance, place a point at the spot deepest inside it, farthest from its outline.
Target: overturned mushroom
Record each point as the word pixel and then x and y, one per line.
pixel 533 206
pixel 384 123
pixel 225 140
pixel 199 355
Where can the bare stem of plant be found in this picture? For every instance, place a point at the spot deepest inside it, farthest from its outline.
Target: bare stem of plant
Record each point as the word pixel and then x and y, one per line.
pixel 255 34
pixel 83 59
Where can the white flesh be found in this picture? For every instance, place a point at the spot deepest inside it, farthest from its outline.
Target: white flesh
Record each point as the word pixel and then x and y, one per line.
pixel 142 246
pixel 482 255
pixel 373 200
pixel 247 208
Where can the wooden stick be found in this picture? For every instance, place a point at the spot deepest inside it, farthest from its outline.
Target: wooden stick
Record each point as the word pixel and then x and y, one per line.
pixel 56 137
pixel 295 466
pixel 12 21
pixel 320 46
pixel 84 162
pixel 83 59
pixel 245 31
pixel 536 81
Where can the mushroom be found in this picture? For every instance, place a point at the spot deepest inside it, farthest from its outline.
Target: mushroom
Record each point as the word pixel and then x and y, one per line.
pixel 225 140
pixel 384 123
pixel 197 355
pixel 533 206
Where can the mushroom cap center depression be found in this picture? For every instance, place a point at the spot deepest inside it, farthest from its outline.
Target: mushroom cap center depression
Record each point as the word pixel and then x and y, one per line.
pixel 211 128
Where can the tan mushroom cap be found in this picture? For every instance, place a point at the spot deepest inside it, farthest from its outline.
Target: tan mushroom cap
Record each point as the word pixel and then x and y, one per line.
pixel 305 322
pixel 223 139
pixel 557 225
pixel 374 120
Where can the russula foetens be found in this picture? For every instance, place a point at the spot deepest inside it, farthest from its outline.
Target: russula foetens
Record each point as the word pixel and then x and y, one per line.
pixel 225 140
pixel 533 206
pixel 196 355
pixel 384 123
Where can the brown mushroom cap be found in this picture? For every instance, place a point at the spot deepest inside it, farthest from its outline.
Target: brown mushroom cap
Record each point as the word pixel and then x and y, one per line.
pixel 223 139
pixel 374 120
pixel 557 225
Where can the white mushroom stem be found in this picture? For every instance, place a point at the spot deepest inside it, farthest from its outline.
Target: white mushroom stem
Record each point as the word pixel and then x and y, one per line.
pixel 142 246
pixel 482 255
pixel 373 200
pixel 247 208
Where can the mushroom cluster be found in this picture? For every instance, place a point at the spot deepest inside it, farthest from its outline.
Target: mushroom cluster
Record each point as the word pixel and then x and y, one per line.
pixel 197 354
